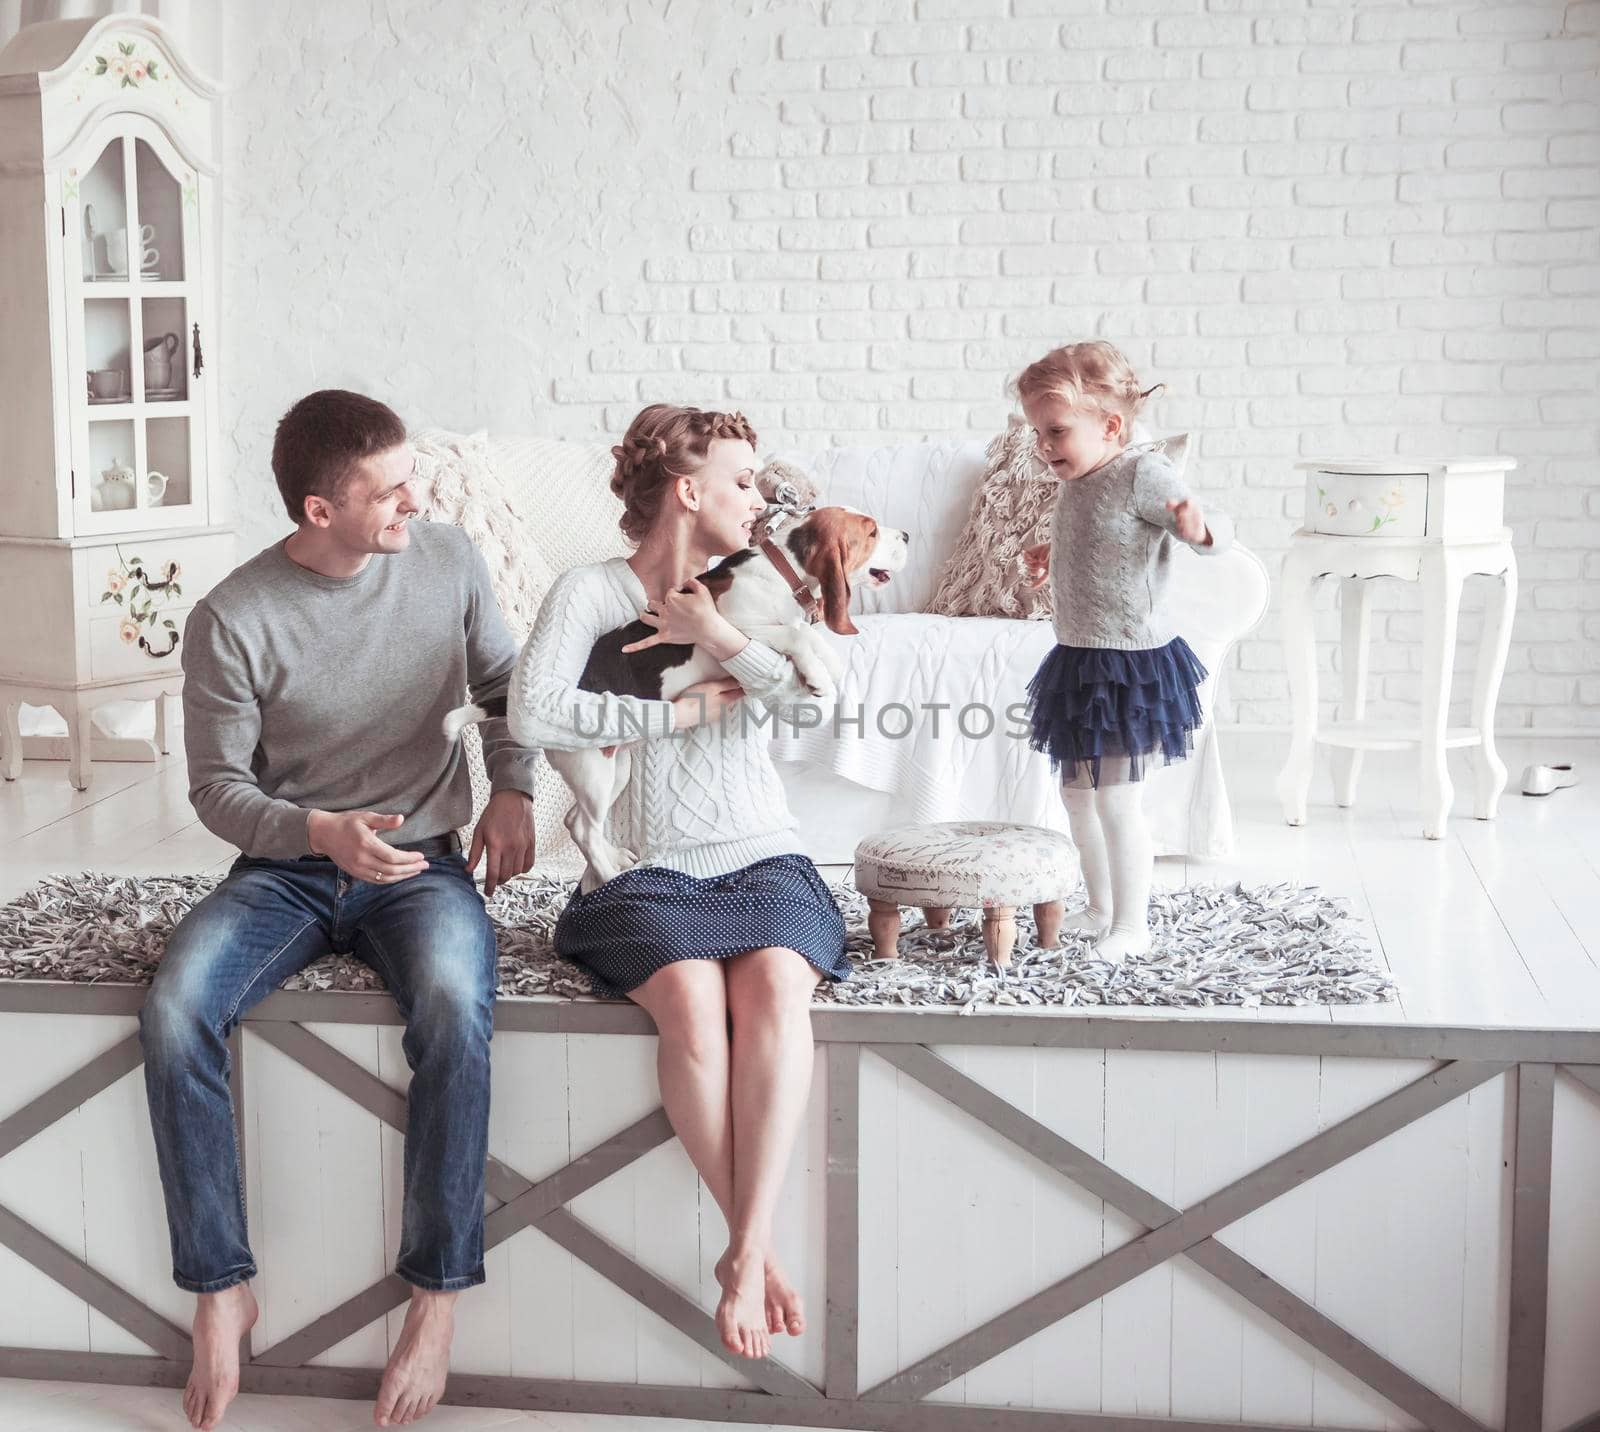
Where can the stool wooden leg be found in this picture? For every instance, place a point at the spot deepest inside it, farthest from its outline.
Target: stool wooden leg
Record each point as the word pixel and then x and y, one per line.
pixel 883 924
pixel 1047 921
pixel 937 916
pixel 999 934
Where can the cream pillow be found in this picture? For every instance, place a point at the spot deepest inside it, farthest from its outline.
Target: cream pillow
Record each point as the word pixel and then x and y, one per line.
pixel 984 576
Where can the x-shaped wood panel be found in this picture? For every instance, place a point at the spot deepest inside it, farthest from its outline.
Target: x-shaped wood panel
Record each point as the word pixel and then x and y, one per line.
pixel 1170 1232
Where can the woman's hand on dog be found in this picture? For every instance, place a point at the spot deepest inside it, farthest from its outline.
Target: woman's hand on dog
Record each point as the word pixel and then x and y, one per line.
pixel 689 617
pixel 349 838
pixel 705 701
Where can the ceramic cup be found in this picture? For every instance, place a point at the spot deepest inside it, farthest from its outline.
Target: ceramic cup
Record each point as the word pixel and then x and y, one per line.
pixel 107 382
pixel 155 488
pixel 117 251
pixel 149 255
pixel 158 355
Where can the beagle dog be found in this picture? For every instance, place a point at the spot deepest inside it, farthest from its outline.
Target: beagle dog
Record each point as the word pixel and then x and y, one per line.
pixel 801 566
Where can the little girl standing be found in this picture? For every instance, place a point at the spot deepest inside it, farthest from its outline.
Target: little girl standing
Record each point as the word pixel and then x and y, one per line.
pixel 1120 685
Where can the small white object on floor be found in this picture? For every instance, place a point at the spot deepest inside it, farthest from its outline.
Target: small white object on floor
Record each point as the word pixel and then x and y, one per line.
pixel 1543 780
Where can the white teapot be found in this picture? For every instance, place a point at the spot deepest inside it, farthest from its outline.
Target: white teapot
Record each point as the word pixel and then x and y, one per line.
pixel 113 489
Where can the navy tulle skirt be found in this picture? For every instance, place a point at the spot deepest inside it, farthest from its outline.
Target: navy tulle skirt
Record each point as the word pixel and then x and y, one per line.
pixel 1088 704
pixel 625 930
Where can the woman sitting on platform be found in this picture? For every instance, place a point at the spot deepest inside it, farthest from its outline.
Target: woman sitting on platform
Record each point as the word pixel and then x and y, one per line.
pixel 724 928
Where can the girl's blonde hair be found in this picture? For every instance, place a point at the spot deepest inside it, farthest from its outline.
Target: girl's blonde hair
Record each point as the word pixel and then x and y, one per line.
pixel 1092 375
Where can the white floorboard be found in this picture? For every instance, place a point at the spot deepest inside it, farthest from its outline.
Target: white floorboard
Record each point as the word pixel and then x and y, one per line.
pixel 1496 925
pixel 85 1407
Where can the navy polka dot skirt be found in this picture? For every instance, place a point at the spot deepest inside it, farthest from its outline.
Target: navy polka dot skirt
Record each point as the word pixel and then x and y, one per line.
pixel 650 917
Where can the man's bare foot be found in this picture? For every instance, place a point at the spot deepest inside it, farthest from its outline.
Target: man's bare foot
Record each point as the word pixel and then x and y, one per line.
pixel 220 1321
pixel 742 1313
pixel 785 1309
pixel 413 1382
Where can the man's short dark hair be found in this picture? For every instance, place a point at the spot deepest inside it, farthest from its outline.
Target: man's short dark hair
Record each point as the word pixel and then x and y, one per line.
pixel 321 439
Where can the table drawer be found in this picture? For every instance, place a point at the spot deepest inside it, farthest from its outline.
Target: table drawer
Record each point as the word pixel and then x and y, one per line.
pixel 1346 504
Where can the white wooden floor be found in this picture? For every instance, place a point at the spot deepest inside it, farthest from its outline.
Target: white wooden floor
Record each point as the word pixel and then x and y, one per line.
pixel 80 1407
pixel 1499 924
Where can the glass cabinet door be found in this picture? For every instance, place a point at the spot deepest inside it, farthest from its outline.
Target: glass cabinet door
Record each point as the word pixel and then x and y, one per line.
pixel 135 332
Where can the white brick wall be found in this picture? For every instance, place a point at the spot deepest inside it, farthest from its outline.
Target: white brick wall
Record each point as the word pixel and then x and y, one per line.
pixel 1324 226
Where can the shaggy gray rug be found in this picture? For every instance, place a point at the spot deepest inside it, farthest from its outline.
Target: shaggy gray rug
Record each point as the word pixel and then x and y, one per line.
pixel 1213 945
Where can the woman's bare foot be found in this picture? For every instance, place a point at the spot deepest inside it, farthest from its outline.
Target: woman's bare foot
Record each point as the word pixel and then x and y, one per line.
pixel 413 1382
pixel 785 1309
pixel 742 1313
pixel 220 1321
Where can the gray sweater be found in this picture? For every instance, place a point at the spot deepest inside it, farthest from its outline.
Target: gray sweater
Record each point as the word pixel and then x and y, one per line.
pixel 303 692
pixel 1111 542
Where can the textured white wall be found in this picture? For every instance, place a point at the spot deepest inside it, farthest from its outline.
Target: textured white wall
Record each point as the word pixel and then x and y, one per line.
pixel 1326 227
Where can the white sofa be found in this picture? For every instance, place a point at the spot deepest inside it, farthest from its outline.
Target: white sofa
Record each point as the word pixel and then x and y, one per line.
pixel 846 784
pixel 851 782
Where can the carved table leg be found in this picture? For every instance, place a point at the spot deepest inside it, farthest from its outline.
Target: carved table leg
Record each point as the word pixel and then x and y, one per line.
pixel 937 916
pixel 1489 770
pixel 999 933
pixel 883 924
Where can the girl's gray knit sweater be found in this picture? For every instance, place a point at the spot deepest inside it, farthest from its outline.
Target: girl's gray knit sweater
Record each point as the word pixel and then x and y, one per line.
pixel 1111 540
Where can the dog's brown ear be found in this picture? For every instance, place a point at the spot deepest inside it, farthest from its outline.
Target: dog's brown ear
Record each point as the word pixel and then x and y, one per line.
pixel 832 569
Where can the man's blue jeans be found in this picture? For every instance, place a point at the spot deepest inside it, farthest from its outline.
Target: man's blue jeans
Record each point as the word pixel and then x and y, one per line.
pixel 430 939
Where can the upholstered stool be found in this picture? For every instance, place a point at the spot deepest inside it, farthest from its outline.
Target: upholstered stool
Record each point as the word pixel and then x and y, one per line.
pixel 984 864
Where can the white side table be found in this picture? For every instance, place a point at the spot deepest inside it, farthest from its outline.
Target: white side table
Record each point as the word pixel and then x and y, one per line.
pixel 1436 523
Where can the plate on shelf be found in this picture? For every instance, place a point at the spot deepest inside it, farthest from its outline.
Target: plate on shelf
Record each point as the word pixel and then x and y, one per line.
pixel 162 395
pixel 98 401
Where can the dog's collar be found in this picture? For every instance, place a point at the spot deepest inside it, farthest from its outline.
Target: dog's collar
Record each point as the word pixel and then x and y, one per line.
pixel 799 588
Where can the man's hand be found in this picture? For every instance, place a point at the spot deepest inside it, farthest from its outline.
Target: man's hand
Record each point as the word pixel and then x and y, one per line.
pixel 1191 526
pixel 505 833
pixel 349 838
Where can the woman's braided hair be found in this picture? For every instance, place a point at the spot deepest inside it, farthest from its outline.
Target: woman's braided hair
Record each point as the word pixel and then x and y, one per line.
pixel 1092 375
pixel 661 445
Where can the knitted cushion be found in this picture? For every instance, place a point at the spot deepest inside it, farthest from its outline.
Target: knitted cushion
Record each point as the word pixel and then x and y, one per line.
pixel 460 480
pixel 984 576
pixel 970 863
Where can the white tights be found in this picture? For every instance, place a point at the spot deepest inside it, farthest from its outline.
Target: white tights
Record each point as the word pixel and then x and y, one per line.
pixel 1118 859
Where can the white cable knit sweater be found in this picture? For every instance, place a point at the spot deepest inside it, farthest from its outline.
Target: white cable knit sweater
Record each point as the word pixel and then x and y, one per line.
pixel 705 800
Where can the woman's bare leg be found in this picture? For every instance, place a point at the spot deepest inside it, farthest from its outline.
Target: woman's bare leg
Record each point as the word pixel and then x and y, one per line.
pixel 688 1002
pixel 769 1000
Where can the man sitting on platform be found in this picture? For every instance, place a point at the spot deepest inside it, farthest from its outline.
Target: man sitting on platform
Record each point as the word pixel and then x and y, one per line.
pixel 317 676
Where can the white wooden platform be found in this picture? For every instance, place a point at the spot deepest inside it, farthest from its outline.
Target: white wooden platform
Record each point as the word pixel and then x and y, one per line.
pixel 1406 1244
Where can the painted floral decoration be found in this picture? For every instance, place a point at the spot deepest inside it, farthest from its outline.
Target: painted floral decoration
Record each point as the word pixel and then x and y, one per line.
pixel 129 69
pixel 131 587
